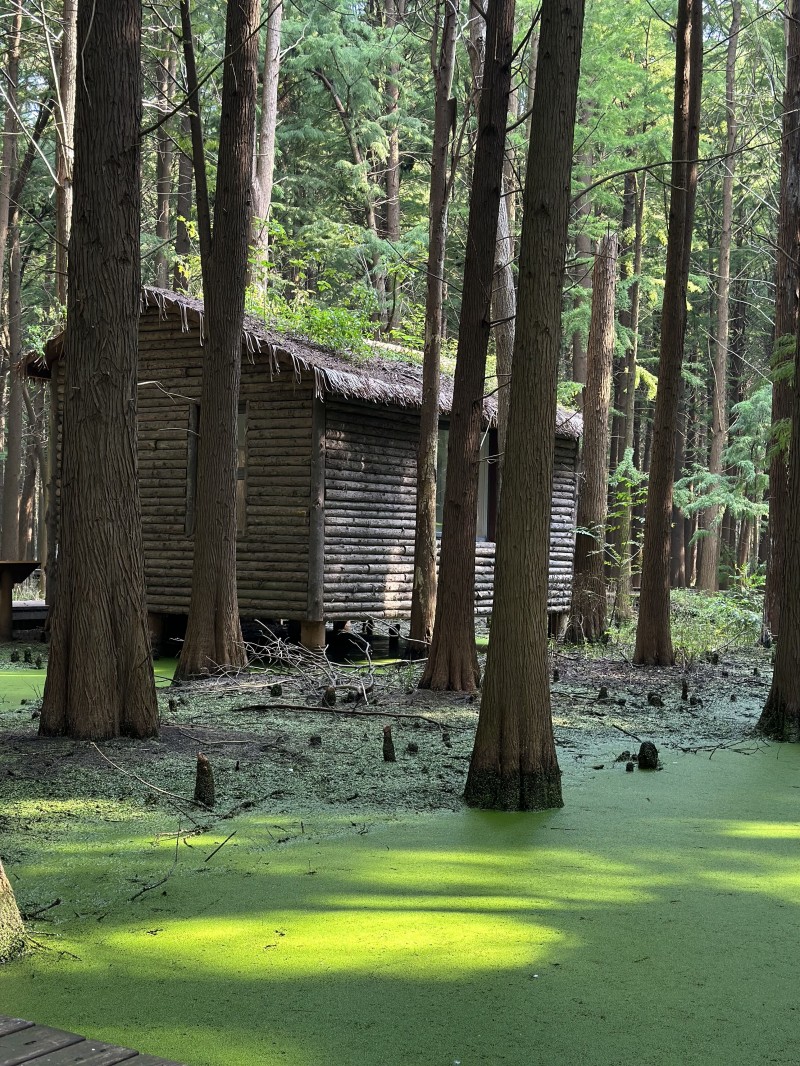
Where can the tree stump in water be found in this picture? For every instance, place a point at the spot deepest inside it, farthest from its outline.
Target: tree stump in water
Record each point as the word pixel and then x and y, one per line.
pixel 388 745
pixel 204 782
pixel 648 756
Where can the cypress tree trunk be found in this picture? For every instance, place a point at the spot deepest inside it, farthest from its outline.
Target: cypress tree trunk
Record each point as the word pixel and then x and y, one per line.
pixel 514 764
pixel 183 208
pixel 785 312
pixel 653 637
pixel 780 718
pixel 708 577
pixel 11 932
pixel 453 658
pixel 213 632
pixel 99 679
pixel 423 594
pixel 588 610
pixel 623 609
pixel 165 76
pixel 267 129
pixel 12 468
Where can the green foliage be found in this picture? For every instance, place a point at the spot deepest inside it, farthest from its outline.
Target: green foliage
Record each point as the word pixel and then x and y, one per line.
pixel 702 624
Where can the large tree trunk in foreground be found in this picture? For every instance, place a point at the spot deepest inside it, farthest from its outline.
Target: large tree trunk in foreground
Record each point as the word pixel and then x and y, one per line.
pixel 11 932
pixel 708 577
pixel 423 593
pixel 213 634
pixel 514 764
pixel 588 611
pixel 780 718
pixel 787 272
pixel 653 636
pixel 453 658
pixel 100 678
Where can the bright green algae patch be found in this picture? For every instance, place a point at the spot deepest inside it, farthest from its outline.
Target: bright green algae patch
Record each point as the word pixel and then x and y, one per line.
pixel 20 686
pixel 653 920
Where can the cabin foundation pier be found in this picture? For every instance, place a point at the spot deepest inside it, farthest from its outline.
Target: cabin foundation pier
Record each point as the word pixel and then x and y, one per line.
pixel 312 635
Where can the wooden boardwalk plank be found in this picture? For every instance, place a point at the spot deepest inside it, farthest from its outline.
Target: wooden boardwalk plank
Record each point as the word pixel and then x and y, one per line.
pixel 13 1025
pixel 90 1052
pixel 31 1043
pixel 22 1042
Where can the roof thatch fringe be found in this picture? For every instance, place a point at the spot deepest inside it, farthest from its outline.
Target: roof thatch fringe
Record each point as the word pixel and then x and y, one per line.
pixel 375 380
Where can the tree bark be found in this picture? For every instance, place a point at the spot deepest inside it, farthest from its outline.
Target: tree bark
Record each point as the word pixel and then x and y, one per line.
pixel 267 130
pixel 183 209
pixel 582 274
pixel 165 77
pixel 780 718
pixel 453 659
pixel 623 609
pixel 588 610
pixel 677 539
pixel 99 679
pixel 8 158
pixel 653 636
pixel 12 468
pixel 786 304
pixel 12 934
pixel 708 577
pixel 213 633
pixel 65 124
pixel 514 763
pixel 423 595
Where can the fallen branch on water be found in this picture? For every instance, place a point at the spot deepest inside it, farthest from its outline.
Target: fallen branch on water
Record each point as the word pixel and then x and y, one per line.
pixel 335 710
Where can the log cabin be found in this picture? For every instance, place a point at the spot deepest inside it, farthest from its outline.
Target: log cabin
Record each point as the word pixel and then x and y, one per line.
pixel 326 476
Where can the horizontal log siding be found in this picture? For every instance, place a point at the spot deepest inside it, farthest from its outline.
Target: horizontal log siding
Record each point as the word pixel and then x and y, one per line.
pixel 369 516
pixel 562 524
pixel 272 552
pixel 370 499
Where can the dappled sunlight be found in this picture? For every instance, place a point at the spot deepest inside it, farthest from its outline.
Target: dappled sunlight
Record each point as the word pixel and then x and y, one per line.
pixel 406 944
pixel 762 830
pixel 308 941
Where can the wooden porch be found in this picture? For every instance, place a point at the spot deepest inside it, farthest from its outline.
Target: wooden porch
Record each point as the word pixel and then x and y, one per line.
pixel 22 1041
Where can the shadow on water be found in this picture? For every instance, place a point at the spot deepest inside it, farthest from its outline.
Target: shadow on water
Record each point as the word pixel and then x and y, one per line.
pixel 652 920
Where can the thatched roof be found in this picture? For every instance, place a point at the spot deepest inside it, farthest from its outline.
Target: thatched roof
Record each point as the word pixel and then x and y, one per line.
pixel 375 379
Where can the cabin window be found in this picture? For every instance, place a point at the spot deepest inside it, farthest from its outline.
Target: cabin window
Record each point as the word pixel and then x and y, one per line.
pixel 193 436
pixel 241 469
pixel 487 484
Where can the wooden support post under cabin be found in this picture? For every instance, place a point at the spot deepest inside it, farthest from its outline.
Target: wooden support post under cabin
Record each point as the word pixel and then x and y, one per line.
pixel 11 572
pixel 312 634
pixel 155 624
pixel 312 629
pixel 6 616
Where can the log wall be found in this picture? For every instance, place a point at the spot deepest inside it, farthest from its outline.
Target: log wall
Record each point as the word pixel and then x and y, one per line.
pixel 370 512
pixel 352 509
pixel 272 550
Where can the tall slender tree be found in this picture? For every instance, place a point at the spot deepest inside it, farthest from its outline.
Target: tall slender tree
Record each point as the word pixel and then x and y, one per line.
pixel 213 633
pixel 514 764
pixel 653 634
pixel 267 130
pixel 453 658
pixel 101 597
pixel 708 576
pixel 423 594
pixel 786 304
pixel 588 610
pixel 780 718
